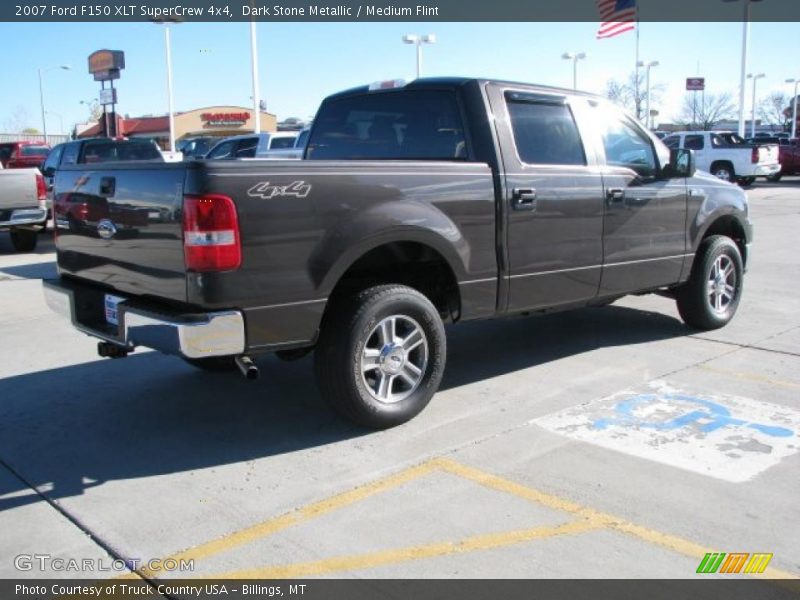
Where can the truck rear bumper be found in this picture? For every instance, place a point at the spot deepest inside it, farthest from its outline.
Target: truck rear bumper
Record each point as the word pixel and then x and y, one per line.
pixel 195 335
pixel 24 216
pixel 767 170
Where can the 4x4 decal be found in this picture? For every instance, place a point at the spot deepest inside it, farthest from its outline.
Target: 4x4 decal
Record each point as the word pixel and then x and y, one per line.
pixel 263 189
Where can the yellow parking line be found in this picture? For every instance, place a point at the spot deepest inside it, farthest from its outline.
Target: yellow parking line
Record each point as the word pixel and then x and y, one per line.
pixel 752 377
pixel 310 511
pixel 400 555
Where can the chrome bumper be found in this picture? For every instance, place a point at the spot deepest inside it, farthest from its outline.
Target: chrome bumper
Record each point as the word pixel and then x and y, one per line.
pixel 192 336
pixel 26 216
pixel 767 170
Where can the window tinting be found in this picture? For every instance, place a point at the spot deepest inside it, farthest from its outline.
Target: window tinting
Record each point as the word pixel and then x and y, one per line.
pixel 53 158
pixel 34 150
pixel 673 141
pixel 410 125
pixel 281 142
pixel 246 148
pixel 71 154
pixel 545 134
pixel 221 150
pixel 694 142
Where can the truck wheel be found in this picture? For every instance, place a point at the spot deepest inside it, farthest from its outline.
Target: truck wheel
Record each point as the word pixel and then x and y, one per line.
pixel 213 364
pixel 747 181
pixel 724 171
pixel 711 296
pixel 775 178
pixel 381 355
pixel 24 240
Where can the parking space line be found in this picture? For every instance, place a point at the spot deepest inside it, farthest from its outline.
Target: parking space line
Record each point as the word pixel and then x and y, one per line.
pixel 751 377
pixel 400 555
pixel 308 512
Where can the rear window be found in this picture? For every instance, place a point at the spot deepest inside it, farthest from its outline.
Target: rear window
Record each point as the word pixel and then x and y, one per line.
pixel 407 125
pixel 281 142
pixel 694 142
pixel 95 152
pixel 34 150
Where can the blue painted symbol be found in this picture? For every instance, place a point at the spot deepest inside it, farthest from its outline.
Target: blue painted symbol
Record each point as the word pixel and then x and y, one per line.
pixel 710 417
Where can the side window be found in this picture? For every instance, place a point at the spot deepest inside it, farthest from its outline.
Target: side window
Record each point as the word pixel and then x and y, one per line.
pixel 247 148
pixel 5 152
pixel 281 142
pixel 70 154
pixel 694 142
pixel 673 142
pixel 223 150
pixel 626 146
pixel 51 164
pixel 545 134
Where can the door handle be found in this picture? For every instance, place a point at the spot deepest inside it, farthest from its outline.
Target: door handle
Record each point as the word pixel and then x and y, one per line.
pixel 614 195
pixel 108 186
pixel 523 199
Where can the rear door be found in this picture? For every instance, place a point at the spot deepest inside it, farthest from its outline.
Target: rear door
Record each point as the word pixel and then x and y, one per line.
pixel 644 234
pixel 554 200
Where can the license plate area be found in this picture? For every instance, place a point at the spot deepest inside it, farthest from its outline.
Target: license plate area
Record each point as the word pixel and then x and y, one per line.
pixel 111 308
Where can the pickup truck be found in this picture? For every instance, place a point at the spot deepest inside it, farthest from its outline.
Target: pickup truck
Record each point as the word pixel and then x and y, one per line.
pixel 727 156
pixel 252 145
pixel 23 155
pixel 444 200
pixel 788 157
pixel 22 206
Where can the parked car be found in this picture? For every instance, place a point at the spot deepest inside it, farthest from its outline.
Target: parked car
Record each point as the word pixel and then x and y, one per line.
pixel 789 158
pixel 444 200
pixel 22 206
pixel 295 152
pixel 23 155
pixel 96 150
pixel 252 145
pixel 197 147
pixel 727 156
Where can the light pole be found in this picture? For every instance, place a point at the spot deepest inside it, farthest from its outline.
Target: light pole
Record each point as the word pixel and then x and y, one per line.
pixel 753 114
pixel 574 57
pixel 168 51
pixel 41 95
pixel 647 65
pixel 743 69
pixel 254 65
pixel 794 104
pixel 418 40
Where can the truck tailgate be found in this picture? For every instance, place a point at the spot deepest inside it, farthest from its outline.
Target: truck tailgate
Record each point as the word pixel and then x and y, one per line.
pixel 768 154
pixel 120 225
pixel 18 189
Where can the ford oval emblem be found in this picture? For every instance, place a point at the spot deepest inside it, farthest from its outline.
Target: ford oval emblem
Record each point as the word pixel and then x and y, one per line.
pixel 106 229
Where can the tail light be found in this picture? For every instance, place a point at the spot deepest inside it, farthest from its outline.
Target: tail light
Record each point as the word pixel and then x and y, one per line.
pixel 754 156
pixel 41 191
pixel 211 233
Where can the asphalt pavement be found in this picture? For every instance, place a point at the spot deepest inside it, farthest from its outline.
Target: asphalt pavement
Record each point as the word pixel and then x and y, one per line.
pixel 611 439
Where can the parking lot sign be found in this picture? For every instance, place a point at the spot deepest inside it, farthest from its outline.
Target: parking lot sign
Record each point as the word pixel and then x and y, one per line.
pixel 696 84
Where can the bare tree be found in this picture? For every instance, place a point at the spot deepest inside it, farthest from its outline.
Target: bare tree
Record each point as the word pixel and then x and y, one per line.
pixel 706 112
pixel 633 97
pixel 772 109
pixel 18 120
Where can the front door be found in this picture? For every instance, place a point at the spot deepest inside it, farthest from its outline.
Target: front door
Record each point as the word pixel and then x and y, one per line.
pixel 644 234
pixel 553 203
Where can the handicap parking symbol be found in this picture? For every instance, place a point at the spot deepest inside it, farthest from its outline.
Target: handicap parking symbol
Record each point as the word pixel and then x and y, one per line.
pixel 703 414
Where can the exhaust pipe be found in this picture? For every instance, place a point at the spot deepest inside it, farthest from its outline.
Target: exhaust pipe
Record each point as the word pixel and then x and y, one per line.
pixel 248 368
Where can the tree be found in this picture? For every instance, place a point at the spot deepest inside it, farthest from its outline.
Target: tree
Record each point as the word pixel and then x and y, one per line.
pixel 31 130
pixel 772 109
pixel 17 120
pixel 703 114
pixel 633 97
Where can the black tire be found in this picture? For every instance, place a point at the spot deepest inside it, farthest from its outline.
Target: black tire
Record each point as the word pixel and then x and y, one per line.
pixel 775 178
pixel 724 171
pixel 747 181
pixel 353 327
pixel 24 240
pixel 213 364
pixel 694 298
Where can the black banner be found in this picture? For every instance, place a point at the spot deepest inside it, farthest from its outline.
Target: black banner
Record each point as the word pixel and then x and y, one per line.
pixel 387 10
pixel 365 589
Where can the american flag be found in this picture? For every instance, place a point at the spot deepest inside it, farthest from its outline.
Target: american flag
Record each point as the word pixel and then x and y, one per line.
pixel 616 16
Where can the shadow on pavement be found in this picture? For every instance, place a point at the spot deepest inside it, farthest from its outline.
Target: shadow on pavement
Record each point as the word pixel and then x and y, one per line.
pixel 72 428
pixel 45 270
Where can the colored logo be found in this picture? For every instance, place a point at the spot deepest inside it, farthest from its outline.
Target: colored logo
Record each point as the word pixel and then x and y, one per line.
pixel 741 562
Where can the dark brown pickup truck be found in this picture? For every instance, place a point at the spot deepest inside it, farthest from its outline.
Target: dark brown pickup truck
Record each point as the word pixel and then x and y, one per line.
pixel 439 201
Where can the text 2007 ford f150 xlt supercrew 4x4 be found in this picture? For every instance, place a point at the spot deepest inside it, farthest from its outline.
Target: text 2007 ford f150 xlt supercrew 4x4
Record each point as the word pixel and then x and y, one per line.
pixel 442 200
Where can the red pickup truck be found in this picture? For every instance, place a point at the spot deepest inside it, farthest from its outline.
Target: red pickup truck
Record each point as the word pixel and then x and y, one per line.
pixel 789 157
pixel 23 155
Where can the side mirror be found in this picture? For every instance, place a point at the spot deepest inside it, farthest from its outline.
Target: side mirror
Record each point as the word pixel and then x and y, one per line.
pixel 681 163
pixel 48 172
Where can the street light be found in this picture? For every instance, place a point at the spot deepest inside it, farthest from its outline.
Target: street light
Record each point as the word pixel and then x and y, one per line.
pixel 41 95
pixel 574 57
pixel 753 115
pixel 743 70
pixel 794 103
pixel 418 40
pixel 647 65
pixel 168 50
